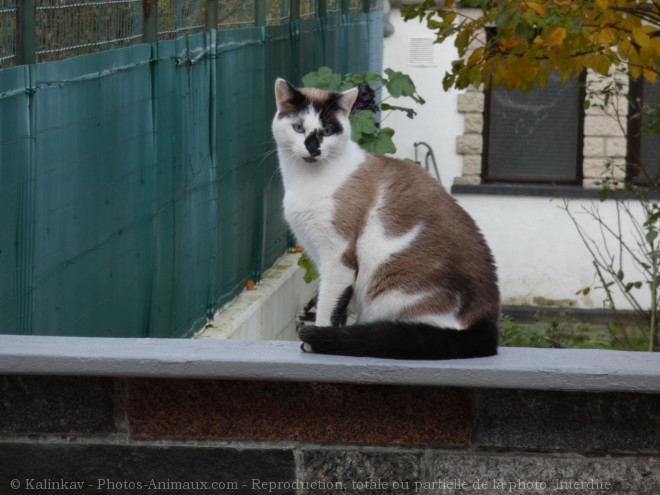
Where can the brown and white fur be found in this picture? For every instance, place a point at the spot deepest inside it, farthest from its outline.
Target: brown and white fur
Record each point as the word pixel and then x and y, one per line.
pixel 387 239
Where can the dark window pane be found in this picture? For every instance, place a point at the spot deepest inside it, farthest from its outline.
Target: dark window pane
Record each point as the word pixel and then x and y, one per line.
pixel 650 141
pixel 534 136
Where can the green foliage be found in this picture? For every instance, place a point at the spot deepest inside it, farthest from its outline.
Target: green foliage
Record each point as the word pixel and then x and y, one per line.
pixel 379 143
pixel 364 118
pixel 363 123
pixel 532 39
pixel 563 331
pixel 324 78
pixel 311 273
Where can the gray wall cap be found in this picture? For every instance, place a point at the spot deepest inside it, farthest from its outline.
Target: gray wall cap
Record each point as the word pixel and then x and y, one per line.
pixel 525 368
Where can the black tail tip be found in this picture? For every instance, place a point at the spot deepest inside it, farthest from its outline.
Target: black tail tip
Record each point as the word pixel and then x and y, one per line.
pixel 305 334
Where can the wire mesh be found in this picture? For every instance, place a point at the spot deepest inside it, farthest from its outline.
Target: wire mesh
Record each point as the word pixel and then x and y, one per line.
pixel 278 12
pixel 235 14
pixel 178 17
pixel 71 27
pixel 333 6
pixel 67 28
pixel 308 8
pixel 8 16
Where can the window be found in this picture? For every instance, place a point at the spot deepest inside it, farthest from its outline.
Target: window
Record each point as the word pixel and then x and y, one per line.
pixel 534 137
pixel 643 146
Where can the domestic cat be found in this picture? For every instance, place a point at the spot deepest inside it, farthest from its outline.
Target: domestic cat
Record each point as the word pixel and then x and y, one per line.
pixel 386 238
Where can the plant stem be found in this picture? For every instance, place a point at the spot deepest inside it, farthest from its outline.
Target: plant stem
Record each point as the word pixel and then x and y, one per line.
pixel 654 298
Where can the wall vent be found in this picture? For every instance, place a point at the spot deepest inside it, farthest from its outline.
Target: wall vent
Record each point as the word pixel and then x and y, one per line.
pixel 421 52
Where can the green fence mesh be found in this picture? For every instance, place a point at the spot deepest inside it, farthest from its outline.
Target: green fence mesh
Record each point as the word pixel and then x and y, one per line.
pixel 138 188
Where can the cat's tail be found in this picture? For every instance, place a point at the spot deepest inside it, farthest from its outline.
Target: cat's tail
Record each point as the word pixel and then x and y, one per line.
pixel 399 340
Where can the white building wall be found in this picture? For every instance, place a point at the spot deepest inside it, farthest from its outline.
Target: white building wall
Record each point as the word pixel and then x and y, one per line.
pixel 541 260
pixel 437 122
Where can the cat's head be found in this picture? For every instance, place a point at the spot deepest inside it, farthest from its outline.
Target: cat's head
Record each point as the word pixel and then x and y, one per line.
pixel 311 124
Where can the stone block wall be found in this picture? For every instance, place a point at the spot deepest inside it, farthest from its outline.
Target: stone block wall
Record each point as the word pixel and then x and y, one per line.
pixel 143 435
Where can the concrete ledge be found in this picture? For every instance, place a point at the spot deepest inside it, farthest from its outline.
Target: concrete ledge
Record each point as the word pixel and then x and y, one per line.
pixel 268 312
pixel 520 368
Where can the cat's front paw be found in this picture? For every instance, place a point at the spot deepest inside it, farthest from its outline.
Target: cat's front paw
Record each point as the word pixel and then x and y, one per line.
pixel 305 347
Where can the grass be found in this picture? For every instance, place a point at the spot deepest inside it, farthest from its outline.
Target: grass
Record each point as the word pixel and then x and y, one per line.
pixel 565 331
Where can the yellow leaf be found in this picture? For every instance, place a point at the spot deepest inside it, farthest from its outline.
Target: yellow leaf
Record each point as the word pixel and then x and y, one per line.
pixel 602 4
pixel 605 36
pixel 655 46
pixel 476 55
pixel 507 44
pixel 625 48
pixel 448 16
pixel 650 75
pixel 640 37
pixel 598 62
pixel 646 54
pixel 536 7
pixel 635 70
pixel 511 78
pixel 629 23
pixel 556 36
pixel 529 72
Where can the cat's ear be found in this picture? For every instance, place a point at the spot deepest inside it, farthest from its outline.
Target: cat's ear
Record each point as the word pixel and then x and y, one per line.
pixel 347 99
pixel 284 94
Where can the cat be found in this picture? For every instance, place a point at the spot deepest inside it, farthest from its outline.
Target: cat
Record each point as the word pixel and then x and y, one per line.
pixel 388 241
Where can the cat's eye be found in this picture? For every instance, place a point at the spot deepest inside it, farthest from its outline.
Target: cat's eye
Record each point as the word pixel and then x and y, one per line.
pixel 298 128
pixel 327 131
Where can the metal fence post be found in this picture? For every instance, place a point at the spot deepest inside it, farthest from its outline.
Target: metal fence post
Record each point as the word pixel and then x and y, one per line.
pixel 26 50
pixel 294 10
pixel 259 12
pixel 321 8
pixel 149 21
pixel 211 14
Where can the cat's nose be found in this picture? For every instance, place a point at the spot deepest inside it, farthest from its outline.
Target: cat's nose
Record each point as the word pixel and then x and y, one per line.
pixel 313 145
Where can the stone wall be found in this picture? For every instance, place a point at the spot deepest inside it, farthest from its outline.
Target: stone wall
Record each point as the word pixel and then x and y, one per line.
pixel 149 435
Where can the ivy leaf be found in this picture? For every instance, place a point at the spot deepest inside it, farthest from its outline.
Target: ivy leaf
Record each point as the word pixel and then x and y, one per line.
pixel 324 78
pixel 363 122
pixel 410 113
pixel 379 143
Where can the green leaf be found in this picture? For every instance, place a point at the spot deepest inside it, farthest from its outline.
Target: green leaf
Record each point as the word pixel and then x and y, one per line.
pixel 363 122
pixel 619 274
pixel 324 78
pixel 311 273
pixel 371 78
pixel 399 84
pixel 410 113
pixel 651 235
pixel 380 143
